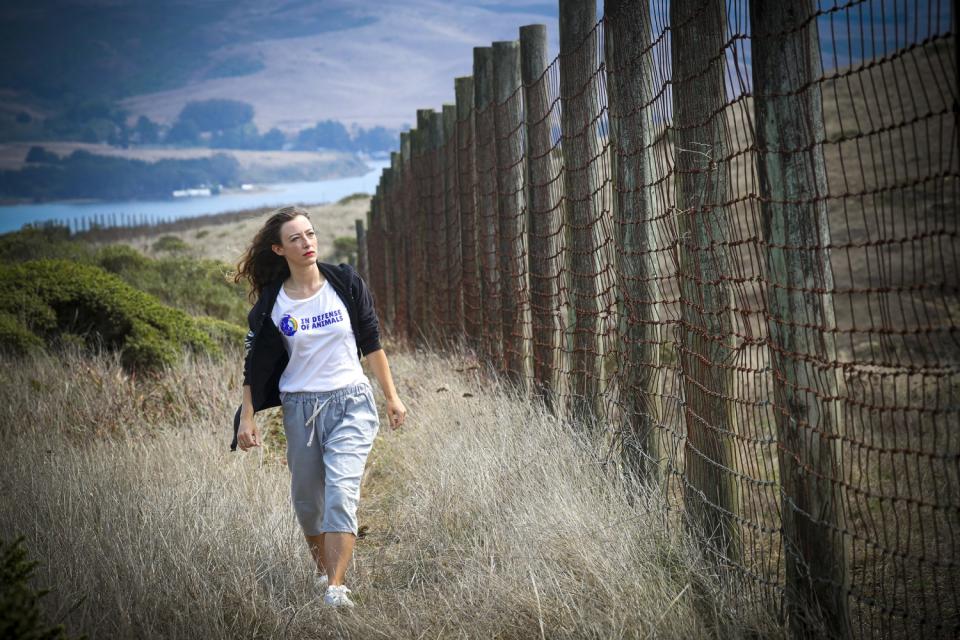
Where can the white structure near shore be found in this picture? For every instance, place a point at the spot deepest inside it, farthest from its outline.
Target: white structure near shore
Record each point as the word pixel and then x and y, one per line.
pixel 192 193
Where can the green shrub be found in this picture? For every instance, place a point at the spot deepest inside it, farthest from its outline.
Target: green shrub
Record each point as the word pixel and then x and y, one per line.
pixel 221 332
pixel 345 249
pixel 199 287
pixel 19 610
pixel 120 258
pixel 15 339
pixel 55 297
pixel 37 243
pixel 353 196
pixel 170 243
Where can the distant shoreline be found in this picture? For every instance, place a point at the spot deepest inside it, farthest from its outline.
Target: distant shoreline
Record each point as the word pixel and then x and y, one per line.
pixel 66 173
pixel 81 216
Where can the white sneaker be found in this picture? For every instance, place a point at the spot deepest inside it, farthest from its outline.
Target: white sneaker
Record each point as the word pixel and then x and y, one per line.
pixel 336 596
pixel 321 580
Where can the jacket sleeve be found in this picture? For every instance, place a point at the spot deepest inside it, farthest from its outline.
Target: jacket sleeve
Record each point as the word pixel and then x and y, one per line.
pixel 248 341
pixel 369 327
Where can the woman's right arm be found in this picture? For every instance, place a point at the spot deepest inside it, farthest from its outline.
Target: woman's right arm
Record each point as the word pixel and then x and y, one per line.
pixel 248 435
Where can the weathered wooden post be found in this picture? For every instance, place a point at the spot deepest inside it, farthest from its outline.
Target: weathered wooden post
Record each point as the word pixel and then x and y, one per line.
pixel 374 214
pixel 629 100
pixel 955 6
pixel 454 309
pixel 699 96
pixel 435 231
pixel 487 202
pixel 391 239
pixel 580 111
pixel 421 142
pixel 508 119
pixel 467 183
pixel 406 224
pixel 803 356
pixel 362 266
pixel 543 213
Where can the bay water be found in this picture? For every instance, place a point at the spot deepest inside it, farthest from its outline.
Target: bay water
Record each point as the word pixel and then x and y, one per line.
pixel 13 217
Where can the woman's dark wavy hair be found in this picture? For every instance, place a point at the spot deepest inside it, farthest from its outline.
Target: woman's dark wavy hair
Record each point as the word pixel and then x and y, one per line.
pixel 259 265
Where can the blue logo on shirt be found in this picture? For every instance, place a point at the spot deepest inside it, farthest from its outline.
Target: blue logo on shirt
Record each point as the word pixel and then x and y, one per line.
pixel 288 325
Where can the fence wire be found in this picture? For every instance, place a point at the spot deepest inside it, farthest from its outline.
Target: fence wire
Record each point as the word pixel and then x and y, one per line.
pixel 724 234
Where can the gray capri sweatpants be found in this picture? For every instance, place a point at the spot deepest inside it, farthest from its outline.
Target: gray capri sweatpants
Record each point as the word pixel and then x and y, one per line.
pixel 329 435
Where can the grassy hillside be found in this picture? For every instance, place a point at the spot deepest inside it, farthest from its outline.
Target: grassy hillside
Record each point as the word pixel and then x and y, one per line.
pixel 226 241
pixel 122 49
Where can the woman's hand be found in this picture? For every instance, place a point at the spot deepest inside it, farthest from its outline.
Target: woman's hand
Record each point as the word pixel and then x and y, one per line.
pixel 396 412
pixel 249 434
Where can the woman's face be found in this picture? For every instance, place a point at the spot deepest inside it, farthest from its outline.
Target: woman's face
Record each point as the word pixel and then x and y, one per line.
pixel 298 242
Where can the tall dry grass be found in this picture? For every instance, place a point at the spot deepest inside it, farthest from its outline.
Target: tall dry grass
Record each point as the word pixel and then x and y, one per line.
pixel 485 517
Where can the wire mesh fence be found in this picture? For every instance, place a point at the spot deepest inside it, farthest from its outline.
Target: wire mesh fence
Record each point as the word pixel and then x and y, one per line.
pixel 724 234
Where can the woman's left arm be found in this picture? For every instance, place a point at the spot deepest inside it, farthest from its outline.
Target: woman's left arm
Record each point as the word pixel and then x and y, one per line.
pixel 396 412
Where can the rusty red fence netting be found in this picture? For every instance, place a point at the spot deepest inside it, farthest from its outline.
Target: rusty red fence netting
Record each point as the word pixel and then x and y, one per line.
pixel 723 235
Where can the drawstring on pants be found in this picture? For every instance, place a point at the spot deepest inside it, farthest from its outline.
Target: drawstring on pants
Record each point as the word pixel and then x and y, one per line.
pixel 311 422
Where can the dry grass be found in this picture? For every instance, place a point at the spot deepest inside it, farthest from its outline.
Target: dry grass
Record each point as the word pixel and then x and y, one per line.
pixel 228 241
pixel 486 518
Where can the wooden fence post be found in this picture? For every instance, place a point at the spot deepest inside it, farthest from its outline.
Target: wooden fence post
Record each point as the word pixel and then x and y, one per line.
pixel 487 203
pixel 391 240
pixel 803 356
pixel 420 141
pixel 370 264
pixel 629 99
pixel 454 308
pixel 543 213
pixel 580 112
pixel 706 349
pixel 407 226
pixel 436 232
pixel 508 120
pixel 467 183
pixel 362 266
pixel 375 248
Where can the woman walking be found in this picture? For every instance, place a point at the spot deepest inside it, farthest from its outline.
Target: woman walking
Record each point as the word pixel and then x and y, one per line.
pixel 309 327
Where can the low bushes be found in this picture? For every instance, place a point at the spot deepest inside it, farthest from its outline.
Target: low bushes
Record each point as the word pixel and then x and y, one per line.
pixel 20 615
pixel 198 287
pixel 41 300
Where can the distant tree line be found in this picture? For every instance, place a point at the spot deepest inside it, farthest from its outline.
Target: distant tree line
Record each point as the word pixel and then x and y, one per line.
pixel 216 123
pixel 47 176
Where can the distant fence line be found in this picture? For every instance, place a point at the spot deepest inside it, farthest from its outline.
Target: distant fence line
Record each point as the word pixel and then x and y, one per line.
pixel 111 227
pixel 725 234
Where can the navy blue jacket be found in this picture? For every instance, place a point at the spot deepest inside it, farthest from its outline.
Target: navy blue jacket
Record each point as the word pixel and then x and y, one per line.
pixel 266 356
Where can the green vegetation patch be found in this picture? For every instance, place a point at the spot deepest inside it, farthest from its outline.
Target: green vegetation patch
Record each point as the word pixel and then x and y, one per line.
pixel 353 196
pixel 19 602
pixel 171 244
pixel 86 175
pixel 48 298
pixel 198 287
pixel 344 249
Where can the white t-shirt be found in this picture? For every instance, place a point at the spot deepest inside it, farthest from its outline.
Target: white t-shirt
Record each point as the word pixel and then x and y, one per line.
pixel 319 340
